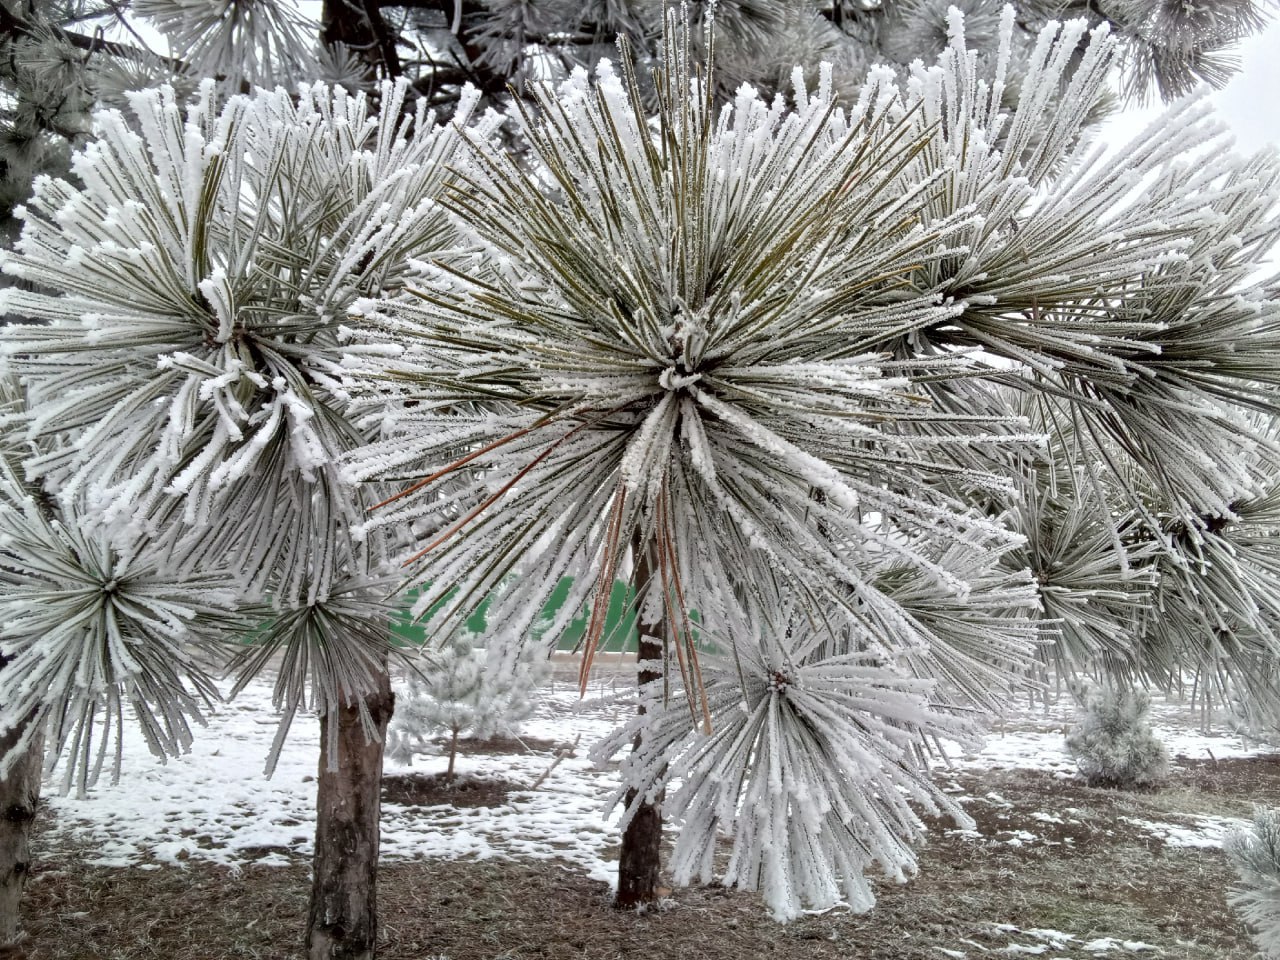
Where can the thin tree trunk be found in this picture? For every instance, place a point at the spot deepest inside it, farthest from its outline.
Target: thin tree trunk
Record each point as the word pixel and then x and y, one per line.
pixel 641 857
pixel 453 755
pixel 19 797
pixel 343 921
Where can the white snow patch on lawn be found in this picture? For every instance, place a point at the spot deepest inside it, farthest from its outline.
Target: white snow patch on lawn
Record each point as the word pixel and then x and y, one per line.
pixel 1035 739
pixel 214 804
pixel 1058 940
pixel 1107 944
pixel 1206 833
pixel 1013 750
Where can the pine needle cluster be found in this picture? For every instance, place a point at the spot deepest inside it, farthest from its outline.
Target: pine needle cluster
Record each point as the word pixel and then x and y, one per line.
pixel 1254 851
pixel 183 375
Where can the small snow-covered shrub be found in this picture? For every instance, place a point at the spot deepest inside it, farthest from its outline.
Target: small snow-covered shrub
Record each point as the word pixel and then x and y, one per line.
pixel 1113 744
pixel 1254 851
pixel 463 692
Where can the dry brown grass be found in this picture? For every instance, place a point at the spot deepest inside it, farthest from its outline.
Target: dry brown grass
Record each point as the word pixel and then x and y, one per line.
pixel 1093 875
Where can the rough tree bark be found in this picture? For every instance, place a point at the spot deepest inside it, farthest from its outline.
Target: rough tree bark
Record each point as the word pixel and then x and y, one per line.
pixel 19 797
pixel 641 857
pixel 343 921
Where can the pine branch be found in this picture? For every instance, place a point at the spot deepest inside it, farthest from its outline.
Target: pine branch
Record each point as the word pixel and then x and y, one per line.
pixel 360 25
pixel 12 25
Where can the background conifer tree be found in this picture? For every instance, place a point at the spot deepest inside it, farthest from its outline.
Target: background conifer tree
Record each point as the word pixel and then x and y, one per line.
pixel 463 690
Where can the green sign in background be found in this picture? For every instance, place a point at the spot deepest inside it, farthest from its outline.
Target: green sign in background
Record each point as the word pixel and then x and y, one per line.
pixel 619 622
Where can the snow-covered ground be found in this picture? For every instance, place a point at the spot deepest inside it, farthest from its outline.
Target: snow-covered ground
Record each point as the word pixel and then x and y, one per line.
pixel 215 805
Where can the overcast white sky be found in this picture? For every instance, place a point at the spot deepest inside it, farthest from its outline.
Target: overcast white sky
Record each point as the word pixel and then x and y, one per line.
pixel 1250 103
pixel 1252 100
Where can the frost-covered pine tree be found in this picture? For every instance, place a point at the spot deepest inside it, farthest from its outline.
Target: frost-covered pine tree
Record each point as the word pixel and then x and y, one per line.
pixel 1169 46
pixel 1087 552
pixel 1142 585
pixel 1112 741
pixel 98 633
pixel 181 367
pixel 460 693
pixel 762 353
pixel 749 352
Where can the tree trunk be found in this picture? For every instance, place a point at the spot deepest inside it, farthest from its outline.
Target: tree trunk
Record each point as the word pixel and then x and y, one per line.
pixel 641 857
pixel 453 755
pixel 343 922
pixel 19 797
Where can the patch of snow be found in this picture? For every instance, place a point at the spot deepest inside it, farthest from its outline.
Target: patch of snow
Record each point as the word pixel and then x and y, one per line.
pixel 1019 838
pixel 1107 944
pixel 1015 750
pixel 1055 937
pixel 1206 833
pixel 1058 940
pixel 1215 746
pixel 214 805
pixel 1035 739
